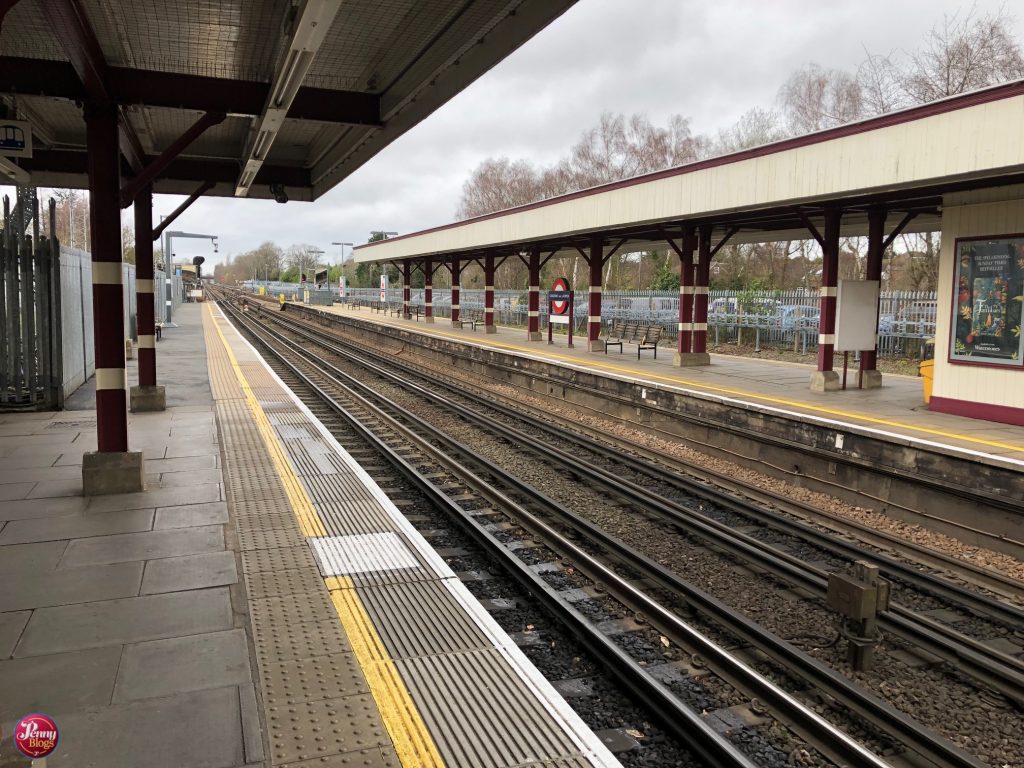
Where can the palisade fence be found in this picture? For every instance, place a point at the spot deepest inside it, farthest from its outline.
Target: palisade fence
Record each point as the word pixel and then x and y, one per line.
pixel 786 319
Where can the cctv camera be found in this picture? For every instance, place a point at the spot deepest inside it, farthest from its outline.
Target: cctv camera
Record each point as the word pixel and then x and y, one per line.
pixel 277 190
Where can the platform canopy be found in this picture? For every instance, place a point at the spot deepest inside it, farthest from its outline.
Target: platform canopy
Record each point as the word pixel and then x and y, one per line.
pixel 903 162
pixel 293 95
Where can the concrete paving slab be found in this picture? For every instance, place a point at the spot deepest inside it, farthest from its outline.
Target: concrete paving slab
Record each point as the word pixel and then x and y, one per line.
pixel 185 449
pixel 20 461
pixel 177 479
pixel 180 664
pixel 31 588
pixel 147 545
pixel 10 491
pixel 75 526
pixel 61 683
pixel 209 513
pixel 37 474
pixel 162 497
pixel 183 464
pixel 11 627
pixel 175 574
pixel 49 489
pixel 200 729
pixel 130 620
pixel 41 557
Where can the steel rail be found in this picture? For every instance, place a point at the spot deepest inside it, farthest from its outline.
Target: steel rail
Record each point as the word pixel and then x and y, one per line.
pixel 902 729
pixel 689 727
pixel 999 671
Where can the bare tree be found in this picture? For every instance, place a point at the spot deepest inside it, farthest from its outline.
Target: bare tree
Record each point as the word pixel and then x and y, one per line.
pixel 497 184
pixel 814 98
pixel 962 54
pixel 880 83
pixel 304 258
pixel 756 127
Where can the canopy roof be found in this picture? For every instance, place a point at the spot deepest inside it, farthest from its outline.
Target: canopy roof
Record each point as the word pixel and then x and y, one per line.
pixel 310 89
pixel 904 161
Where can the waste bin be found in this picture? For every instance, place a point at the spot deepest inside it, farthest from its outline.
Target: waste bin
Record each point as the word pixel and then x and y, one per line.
pixel 927 371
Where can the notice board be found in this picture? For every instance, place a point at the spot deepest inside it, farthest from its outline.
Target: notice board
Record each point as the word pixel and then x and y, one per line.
pixel 856 315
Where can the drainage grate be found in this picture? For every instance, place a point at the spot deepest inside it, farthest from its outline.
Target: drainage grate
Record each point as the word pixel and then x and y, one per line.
pixel 76 424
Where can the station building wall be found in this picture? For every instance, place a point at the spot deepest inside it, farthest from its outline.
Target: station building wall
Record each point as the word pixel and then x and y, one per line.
pixel 994 393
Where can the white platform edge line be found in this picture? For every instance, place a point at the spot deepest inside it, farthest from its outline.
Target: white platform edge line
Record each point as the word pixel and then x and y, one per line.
pixel 578 731
pixel 836 425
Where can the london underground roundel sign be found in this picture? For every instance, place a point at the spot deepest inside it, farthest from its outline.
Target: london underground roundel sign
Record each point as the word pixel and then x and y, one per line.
pixel 559 296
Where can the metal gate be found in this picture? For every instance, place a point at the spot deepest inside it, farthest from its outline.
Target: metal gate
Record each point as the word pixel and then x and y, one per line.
pixel 31 371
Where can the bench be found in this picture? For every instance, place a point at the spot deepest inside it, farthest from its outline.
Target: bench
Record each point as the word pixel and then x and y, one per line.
pixel 395 310
pixel 622 331
pixel 651 336
pixel 471 317
pixel 159 328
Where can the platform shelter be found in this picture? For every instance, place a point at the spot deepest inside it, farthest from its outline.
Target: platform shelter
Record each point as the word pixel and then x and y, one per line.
pixel 253 98
pixel 954 166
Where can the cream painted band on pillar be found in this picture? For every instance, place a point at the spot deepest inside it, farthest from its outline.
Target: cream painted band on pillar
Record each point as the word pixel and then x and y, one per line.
pixel 688 326
pixel 595 289
pixel 699 326
pixel 700 289
pixel 111 378
pixel 489 310
pixel 147 341
pixel 534 313
pixel 826 338
pixel 534 288
pixel 455 306
pixel 143 286
pixel 488 287
pixel 429 304
pixel 106 273
pixel 685 289
pixel 593 318
pixel 829 290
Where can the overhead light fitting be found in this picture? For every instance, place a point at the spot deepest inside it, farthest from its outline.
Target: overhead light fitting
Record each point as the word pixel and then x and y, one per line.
pixel 277 190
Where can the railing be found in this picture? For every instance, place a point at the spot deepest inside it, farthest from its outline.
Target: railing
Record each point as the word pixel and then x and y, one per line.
pixel 769 318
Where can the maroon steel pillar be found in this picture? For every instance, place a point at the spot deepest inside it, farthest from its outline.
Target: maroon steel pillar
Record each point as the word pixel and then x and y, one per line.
pixel 596 261
pixel 456 282
pixel 870 377
pixel 825 379
pixel 533 302
pixel 428 290
pixel 684 354
pixel 406 287
pixel 701 279
pixel 489 293
pixel 111 469
pixel 147 396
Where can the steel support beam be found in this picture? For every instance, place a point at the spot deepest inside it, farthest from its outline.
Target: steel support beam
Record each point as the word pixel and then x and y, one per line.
pixel 145 176
pixel 489 293
pixel 456 270
pixel 147 88
pixel 701 280
pixel 428 290
pixel 533 300
pixel 596 261
pixel 147 396
pixel 869 375
pixel 203 188
pixel 107 293
pixel 825 379
pixel 406 288
pixel 684 340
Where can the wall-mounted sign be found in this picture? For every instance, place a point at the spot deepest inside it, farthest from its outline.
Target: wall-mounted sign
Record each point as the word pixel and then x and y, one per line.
pixel 856 315
pixel 342 286
pixel 384 287
pixel 15 138
pixel 987 301
pixel 558 302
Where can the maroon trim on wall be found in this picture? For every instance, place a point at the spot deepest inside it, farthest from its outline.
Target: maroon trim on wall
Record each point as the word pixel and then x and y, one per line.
pixel 951 104
pixel 1004 414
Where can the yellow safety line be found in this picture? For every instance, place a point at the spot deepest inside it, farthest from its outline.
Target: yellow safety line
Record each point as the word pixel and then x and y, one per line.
pixel 413 744
pixel 736 392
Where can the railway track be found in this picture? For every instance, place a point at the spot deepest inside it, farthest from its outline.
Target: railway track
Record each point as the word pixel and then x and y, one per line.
pixel 504 491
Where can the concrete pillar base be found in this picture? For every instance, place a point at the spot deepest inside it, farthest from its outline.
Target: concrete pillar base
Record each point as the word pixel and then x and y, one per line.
pixel 690 359
pixel 104 473
pixel 871 379
pixel 534 336
pixel 825 381
pixel 147 398
pixel 428 319
pixel 595 346
pixel 490 329
pixel 129 350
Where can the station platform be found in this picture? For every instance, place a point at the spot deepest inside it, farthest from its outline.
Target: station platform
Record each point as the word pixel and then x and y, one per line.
pixel 895 412
pixel 262 603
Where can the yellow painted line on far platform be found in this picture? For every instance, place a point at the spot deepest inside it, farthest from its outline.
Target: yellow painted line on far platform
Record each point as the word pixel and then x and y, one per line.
pixel 711 388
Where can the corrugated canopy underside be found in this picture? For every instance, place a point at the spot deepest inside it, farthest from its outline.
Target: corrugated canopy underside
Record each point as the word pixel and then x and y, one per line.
pixel 383 66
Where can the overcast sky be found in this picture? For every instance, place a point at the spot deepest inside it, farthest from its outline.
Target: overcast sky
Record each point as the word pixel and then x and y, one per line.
pixel 706 61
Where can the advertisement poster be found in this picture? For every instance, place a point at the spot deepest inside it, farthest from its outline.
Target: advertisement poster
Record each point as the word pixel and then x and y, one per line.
pixel 989 297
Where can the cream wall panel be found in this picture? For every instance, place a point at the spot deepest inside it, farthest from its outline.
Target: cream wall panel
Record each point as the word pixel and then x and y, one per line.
pixel 967 382
pixel 979 140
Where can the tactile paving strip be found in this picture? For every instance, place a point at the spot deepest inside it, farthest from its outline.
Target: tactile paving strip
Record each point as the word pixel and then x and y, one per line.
pixel 310 729
pixel 282 582
pixel 467 698
pixel 320 677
